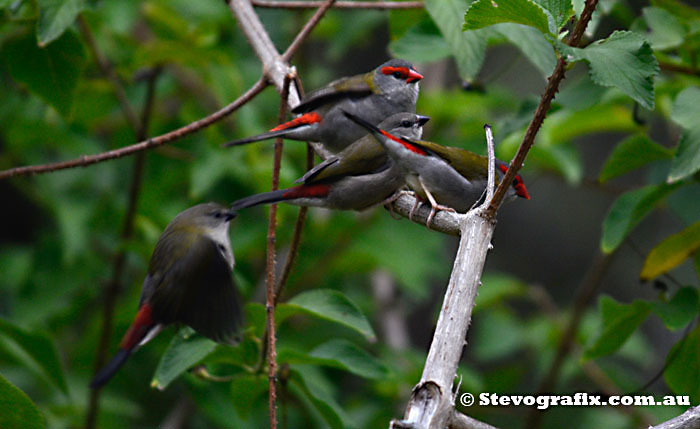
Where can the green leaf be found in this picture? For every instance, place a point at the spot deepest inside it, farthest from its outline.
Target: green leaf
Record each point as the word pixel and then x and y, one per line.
pixel 18 410
pixel 677 8
pixel 496 288
pixel 686 107
pixel 483 13
pixel 37 351
pixel 346 355
pixel 680 310
pixel 246 390
pixel 666 30
pixel 683 366
pixel 624 60
pixel 631 154
pixel 671 252
pixel 52 72
pixel 619 322
pixel 560 10
pixel 55 16
pixel 329 305
pixel 628 210
pixel 329 410
pixel 468 48
pixel 687 159
pixel 422 42
pixel 338 353
pixel 531 43
pixel 185 350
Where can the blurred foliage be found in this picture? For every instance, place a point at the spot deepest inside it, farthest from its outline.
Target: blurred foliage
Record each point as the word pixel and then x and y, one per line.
pixel 337 366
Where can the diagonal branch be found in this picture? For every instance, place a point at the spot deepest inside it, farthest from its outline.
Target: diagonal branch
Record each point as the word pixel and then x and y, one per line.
pixel 171 136
pixel 304 33
pixel 542 109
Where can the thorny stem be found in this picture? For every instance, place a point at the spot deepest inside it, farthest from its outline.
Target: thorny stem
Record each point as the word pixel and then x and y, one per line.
pixel 542 109
pixel 270 268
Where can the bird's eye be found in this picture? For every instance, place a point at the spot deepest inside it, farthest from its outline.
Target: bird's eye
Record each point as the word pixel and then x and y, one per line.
pixel 216 214
pixel 397 75
pixel 406 124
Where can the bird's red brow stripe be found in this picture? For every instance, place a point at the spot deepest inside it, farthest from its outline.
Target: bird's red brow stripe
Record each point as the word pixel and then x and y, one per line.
pixel 308 191
pixel 404 143
pixel 503 168
pixel 390 70
pixel 138 328
pixel 305 119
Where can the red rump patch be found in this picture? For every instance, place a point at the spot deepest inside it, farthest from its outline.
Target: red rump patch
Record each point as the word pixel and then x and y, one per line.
pixel 307 191
pixel 139 328
pixel 413 148
pixel 518 183
pixel 305 119
pixel 409 75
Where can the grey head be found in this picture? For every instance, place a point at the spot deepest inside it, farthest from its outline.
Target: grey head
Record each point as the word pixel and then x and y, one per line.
pixel 405 124
pixel 397 78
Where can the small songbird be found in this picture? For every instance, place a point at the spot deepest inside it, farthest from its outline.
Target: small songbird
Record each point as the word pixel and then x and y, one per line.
pixel 450 178
pixel 390 88
pixel 189 281
pixel 358 177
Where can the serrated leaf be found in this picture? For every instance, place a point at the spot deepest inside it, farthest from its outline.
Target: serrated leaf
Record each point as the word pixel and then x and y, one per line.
pixel 55 16
pixel 619 322
pixel 421 43
pixel 246 390
pixel 185 350
pixel 687 159
pixel 680 310
pixel 18 411
pixel 628 210
pixel 329 305
pixel 560 10
pixel 686 108
pixel 671 252
pixel 683 366
pixel 329 410
pixel 631 154
pixel 667 31
pixel 468 48
pixel 531 43
pixel 37 351
pixel 483 13
pixel 346 355
pixel 51 72
pixel 624 60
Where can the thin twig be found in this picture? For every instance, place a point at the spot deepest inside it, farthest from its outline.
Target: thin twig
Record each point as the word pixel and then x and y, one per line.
pixel 304 33
pixel 492 163
pixel 679 68
pixel 339 5
pixel 114 287
pixel 542 109
pixel 270 268
pixel 688 420
pixel 86 160
pixel 296 235
pixel 108 72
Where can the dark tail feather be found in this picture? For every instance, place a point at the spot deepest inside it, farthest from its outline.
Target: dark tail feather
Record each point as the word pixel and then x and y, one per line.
pixel 108 371
pixel 362 122
pixel 257 199
pixel 259 137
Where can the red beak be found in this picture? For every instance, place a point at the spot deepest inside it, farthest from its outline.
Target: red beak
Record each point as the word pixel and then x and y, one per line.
pixel 521 191
pixel 413 76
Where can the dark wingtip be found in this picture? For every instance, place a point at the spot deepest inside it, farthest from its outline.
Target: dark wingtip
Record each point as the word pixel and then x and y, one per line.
pixel 106 373
pixel 360 121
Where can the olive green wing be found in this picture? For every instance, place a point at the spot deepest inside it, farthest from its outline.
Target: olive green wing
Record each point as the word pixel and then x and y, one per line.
pixel 467 163
pixel 353 86
pixel 198 290
pixel 364 156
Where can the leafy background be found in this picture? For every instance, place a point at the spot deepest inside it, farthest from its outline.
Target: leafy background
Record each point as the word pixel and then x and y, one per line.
pixel 613 176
